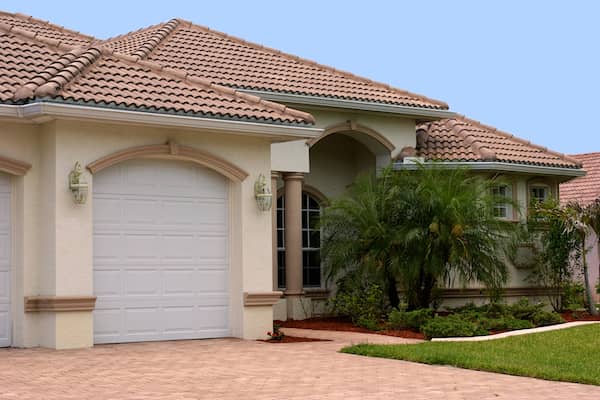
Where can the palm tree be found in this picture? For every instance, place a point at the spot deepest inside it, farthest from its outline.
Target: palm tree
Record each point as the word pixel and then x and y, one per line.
pixel 581 220
pixel 419 229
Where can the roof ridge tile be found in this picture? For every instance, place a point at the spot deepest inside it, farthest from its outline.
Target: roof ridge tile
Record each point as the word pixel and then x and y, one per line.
pixel 58 73
pixel 156 38
pixel 296 58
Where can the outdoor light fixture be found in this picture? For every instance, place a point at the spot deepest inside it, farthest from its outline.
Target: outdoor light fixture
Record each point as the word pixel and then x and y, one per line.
pixel 78 187
pixel 262 193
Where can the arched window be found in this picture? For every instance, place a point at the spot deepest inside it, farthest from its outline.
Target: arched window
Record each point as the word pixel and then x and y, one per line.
pixel 311 241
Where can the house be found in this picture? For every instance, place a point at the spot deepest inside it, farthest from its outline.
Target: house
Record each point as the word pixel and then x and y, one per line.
pixel 132 193
pixel 585 190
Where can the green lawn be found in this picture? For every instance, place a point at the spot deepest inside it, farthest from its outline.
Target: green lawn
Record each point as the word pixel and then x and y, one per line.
pixel 571 355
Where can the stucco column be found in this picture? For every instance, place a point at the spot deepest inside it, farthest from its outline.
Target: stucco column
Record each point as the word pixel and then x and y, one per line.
pixel 293 233
pixel 274 178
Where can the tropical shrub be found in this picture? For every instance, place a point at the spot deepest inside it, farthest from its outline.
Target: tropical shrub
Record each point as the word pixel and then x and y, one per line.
pixel 361 299
pixel 545 318
pixel 401 319
pixel 417 229
pixel 451 326
pixel 560 254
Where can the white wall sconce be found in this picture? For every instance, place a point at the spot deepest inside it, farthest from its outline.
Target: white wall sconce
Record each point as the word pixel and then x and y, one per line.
pixel 78 187
pixel 262 194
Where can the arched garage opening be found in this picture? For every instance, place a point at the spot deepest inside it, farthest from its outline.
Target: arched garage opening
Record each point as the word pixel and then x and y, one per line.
pixel 161 249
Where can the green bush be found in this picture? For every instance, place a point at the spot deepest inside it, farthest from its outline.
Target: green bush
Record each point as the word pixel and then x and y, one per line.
pixel 400 319
pixel 368 323
pixel 544 318
pixel 524 310
pixel 451 326
pixel 506 323
pixel 360 299
pixel 573 296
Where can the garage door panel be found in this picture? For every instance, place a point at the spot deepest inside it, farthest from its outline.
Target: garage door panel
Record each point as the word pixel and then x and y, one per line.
pixel 160 253
pixel 107 283
pixel 212 281
pixel 212 317
pixel 140 320
pixel 142 282
pixel 180 282
pixel 139 246
pixel 141 211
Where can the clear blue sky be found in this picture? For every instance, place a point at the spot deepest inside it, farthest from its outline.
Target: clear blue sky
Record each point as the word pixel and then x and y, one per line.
pixel 528 67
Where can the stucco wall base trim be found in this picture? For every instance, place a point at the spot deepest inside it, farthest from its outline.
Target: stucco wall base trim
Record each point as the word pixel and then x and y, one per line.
pixel 59 303
pixel 507 292
pixel 261 298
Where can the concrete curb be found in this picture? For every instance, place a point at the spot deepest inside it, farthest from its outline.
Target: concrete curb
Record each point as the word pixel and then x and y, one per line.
pixel 566 325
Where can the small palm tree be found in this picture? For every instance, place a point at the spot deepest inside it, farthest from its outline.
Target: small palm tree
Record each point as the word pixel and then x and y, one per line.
pixel 581 221
pixel 419 229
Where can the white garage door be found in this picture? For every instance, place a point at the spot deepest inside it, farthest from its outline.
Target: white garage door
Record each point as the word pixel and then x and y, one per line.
pixel 5 320
pixel 161 257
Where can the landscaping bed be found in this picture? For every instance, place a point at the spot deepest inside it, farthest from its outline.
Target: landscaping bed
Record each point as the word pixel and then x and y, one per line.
pixel 574 316
pixel 293 339
pixel 345 325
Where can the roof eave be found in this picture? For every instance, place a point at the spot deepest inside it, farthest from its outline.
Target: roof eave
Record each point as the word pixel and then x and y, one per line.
pixel 41 111
pixel 498 167
pixel 422 113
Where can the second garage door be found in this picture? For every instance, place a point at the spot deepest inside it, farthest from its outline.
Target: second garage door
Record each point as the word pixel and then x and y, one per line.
pixel 161 253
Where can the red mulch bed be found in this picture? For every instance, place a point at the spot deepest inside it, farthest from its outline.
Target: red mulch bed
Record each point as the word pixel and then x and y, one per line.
pixel 574 316
pixel 342 324
pixel 294 339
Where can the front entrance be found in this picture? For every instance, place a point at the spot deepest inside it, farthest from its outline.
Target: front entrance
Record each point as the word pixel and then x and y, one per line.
pixel 161 252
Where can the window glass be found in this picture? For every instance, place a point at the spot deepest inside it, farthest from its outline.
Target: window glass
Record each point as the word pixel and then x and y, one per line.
pixel 311 241
pixel 539 193
pixel 503 210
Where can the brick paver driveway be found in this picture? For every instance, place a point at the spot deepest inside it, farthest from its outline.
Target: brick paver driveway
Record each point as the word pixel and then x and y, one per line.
pixel 236 369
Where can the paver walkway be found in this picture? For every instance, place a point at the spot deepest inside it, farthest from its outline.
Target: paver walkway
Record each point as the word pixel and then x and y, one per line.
pixel 236 369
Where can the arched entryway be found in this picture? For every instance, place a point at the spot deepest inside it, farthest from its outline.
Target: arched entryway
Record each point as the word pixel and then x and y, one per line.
pixel 341 154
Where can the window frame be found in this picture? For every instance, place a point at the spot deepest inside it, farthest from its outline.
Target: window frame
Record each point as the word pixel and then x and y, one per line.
pixel 509 194
pixel 307 193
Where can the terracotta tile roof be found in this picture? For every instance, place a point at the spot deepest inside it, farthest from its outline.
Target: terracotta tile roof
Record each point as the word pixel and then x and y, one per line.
pixel 584 189
pixel 463 139
pixel 234 62
pixel 45 29
pixel 36 66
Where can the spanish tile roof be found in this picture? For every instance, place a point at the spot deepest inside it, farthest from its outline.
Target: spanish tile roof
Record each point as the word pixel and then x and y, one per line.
pixel 45 29
pixel 584 189
pixel 234 62
pixel 463 139
pixel 41 61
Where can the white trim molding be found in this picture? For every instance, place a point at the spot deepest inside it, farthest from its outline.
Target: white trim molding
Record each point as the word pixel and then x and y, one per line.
pixel 421 112
pixel 497 166
pixel 43 111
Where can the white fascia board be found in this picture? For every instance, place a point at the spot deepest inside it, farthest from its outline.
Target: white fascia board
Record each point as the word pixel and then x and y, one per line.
pixel 42 109
pixel 425 113
pixel 498 166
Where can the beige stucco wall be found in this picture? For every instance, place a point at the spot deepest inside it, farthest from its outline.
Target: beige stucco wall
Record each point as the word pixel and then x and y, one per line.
pixel 53 245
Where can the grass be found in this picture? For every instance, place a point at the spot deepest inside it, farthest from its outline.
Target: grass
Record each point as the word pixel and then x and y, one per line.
pixel 570 355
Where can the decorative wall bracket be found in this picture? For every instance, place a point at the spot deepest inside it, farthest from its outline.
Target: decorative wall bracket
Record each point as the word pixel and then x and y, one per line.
pixel 262 194
pixel 78 187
